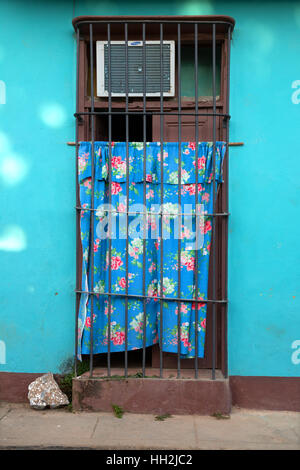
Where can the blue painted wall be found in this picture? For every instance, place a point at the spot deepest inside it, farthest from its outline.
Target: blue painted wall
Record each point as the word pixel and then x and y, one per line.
pixel 37 241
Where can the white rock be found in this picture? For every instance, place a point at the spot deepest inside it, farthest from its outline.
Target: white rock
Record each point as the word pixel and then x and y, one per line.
pixel 44 392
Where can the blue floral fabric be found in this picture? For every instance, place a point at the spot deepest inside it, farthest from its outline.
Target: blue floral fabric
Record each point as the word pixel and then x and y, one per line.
pixel 169 227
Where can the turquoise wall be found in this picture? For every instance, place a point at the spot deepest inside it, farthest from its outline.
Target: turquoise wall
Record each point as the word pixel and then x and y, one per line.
pixel 37 241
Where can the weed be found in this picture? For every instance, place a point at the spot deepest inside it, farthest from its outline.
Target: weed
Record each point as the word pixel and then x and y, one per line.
pixel 118 411
pixel 65 382
pixel 220 416
pixel 162 417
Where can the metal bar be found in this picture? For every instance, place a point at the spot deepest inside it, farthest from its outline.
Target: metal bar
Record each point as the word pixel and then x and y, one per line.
pixel 179 200
pixel 200 214
pixel 161 198
pixel 227 204
pixel 196 197
pixel 172 299
pixel 150 113
pixel 92 210
pixel 230 144
pixel 91 266
pixel 109 199
pixel 160 21
pixel 144 201
pixel 127 197
pixel 78 278
pixel 213 372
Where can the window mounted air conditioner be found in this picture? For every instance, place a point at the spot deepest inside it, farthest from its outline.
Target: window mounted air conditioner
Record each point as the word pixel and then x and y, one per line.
pixel 135 68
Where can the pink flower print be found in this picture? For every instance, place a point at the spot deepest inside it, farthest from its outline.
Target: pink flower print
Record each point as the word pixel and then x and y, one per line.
pixel 201 163
pixel 205 197
pixel 185 232
pixel 200 305
pixel 206 228
pixel 152 223
pixel 106 308
pixel 150 194
pixel 121 207
pixel 122 282
pixel 82 211
pixel 119 338
pixel 116 262
pixel 116 161
pixel 183 309
pixel 183 189
pixel 152 267
pixel 149 178
pixel 190 264
pixel 81 163
pixel 203 323
pixel 87 183
pixel 156 244
pixel 88 322
pixel 192 145
pixel 115 188
pixel 191 189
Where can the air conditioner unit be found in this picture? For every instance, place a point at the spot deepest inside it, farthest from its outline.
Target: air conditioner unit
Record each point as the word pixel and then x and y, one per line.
pixel 135 68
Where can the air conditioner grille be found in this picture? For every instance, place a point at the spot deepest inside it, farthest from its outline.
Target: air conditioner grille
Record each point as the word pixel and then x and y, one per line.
pixel 135 69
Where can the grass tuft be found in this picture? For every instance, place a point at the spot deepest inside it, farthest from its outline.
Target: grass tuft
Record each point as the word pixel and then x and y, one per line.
pixel 118 411
pixel 162 417
pixel 220 416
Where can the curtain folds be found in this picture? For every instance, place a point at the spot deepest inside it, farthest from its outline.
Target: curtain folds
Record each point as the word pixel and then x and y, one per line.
pixel 145 187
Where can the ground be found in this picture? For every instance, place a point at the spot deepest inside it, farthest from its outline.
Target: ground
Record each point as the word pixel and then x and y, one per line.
pixel 23 427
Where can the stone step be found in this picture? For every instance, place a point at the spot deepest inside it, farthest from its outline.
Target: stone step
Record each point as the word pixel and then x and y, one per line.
pixel 153 395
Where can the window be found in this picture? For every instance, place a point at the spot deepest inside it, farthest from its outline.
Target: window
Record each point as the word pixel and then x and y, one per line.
pixel 192 52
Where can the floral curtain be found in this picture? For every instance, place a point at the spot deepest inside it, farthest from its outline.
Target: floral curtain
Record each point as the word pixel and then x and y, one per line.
pixel 170 227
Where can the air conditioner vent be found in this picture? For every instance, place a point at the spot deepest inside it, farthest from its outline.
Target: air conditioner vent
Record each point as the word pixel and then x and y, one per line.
pixel 135 68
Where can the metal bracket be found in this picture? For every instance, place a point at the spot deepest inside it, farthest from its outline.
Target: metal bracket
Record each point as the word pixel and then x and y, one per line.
pixel 79 118
pixel 225 119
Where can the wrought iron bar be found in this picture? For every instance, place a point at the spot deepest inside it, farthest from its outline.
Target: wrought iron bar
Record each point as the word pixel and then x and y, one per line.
pixel 196 195
pixel 150 214
pixel 213 371
pixel 225 308
pixel 91 266
pixel 162 112
pixel 157 297
pixel 150 113
pixel 161 200
pixel 144 201
pixel 179 199
pixel 109 199
pixel 160 21
pixel 78 277
pixel 127 196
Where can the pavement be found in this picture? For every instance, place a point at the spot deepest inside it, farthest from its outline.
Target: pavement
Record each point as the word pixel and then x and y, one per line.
pixel 23 427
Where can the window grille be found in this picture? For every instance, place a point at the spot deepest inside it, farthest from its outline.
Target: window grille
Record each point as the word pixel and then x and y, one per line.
pixel 214 32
